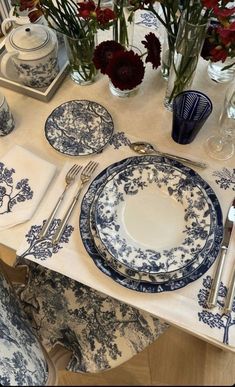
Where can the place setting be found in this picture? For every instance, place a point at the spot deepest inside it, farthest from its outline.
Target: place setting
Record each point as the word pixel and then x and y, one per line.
pixel 151 225
pixel 149 222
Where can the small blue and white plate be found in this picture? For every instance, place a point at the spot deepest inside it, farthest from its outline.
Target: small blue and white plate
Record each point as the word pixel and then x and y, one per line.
pixel 190 272
pixel 79 128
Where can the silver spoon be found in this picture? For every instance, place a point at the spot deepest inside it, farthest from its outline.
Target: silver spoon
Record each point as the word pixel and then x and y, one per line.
pixel 145 148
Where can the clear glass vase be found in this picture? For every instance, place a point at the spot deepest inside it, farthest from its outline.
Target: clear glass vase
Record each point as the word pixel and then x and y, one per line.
pixel 221 146
pixel 188 45
pixel 123 93
pixel 167 49
pixel 123 27
pixel 167 54
pixel 80 54
pixel 216 72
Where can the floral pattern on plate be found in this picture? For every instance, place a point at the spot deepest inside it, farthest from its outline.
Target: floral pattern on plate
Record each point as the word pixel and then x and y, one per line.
pixel 142 276
pixel 79 128
pixel 209 255
pixel 131 250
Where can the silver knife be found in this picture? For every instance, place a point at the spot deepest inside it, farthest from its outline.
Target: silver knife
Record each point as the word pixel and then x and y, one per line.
pixel 213 296
pixel 231 290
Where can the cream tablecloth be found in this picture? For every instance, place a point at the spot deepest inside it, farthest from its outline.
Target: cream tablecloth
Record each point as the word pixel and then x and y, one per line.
pixel 184 307
pixel 144 117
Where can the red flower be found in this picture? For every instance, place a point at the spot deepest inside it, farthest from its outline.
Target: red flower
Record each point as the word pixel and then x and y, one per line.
pixel 227 35
pixel 154 49
pixel 210 3
pixel 224 12
pixel 104 52
pixel 28 4
pixel 104 15
pixel 86 8
pixel 126 70
pixel 218 53
pixel 35 15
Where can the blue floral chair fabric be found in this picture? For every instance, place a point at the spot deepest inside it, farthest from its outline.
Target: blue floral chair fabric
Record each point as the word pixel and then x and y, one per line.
pixel 100 331
pixel 22 360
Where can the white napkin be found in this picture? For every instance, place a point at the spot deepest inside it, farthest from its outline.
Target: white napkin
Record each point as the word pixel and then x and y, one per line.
pixel 181 307
pixel 24 178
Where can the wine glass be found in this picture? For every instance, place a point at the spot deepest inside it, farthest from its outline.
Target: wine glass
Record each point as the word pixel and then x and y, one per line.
pixel 221 146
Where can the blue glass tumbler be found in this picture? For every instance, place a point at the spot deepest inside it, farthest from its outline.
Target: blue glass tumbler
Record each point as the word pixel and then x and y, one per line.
pixel 191 109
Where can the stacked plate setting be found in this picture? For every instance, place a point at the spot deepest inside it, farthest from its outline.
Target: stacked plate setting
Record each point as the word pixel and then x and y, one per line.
pixel 151 224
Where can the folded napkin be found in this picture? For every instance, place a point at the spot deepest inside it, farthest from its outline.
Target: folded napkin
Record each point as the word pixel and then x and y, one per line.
pixel 183 307
pixel 24 178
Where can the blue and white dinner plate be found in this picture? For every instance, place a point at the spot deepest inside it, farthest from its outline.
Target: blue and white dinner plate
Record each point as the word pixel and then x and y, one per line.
pixel 152 217
pixel 157 276
pixel 190 272
pixel 79 128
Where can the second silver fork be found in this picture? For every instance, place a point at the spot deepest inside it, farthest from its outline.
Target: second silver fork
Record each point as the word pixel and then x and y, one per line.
pixel 85 177
pixel 69 179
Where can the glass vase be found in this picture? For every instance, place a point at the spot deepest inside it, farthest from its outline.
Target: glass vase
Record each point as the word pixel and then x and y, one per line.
pixel 123 26
pixel 167 53
pixel 188 45
pixel 80 55
pixel 221 146
pixel 123 93
pixel 216 72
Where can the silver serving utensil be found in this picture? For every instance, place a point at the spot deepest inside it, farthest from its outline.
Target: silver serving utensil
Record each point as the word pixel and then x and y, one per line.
pixel 145 148
pixel 69 179
pixel 213 296
pixel 84 178
pixel 231 290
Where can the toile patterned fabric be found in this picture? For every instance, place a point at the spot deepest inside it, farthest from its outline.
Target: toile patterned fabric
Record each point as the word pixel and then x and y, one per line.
pixel 20 193
pixel 100 331
pixel 22 361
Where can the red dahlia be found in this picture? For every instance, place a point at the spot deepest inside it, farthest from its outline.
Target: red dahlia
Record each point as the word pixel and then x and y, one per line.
pixel 104 52
pixel 126 70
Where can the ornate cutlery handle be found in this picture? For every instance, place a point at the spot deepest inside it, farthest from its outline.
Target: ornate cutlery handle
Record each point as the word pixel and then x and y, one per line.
pixel 212 300
pixel 64 221
pixel 46 226
pixel 231 294
pixel 183 160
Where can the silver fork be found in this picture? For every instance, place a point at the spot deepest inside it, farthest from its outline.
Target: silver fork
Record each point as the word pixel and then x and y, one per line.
pixel 69 179
pixel 84 178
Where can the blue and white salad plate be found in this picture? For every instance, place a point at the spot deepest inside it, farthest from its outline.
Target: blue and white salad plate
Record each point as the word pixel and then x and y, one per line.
pixel 163 281
pixel 79 128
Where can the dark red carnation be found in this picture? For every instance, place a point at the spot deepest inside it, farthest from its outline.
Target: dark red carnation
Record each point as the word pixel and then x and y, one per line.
pixel 104 52
pixel 126 70
pixel 153 46
pixel 104 15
